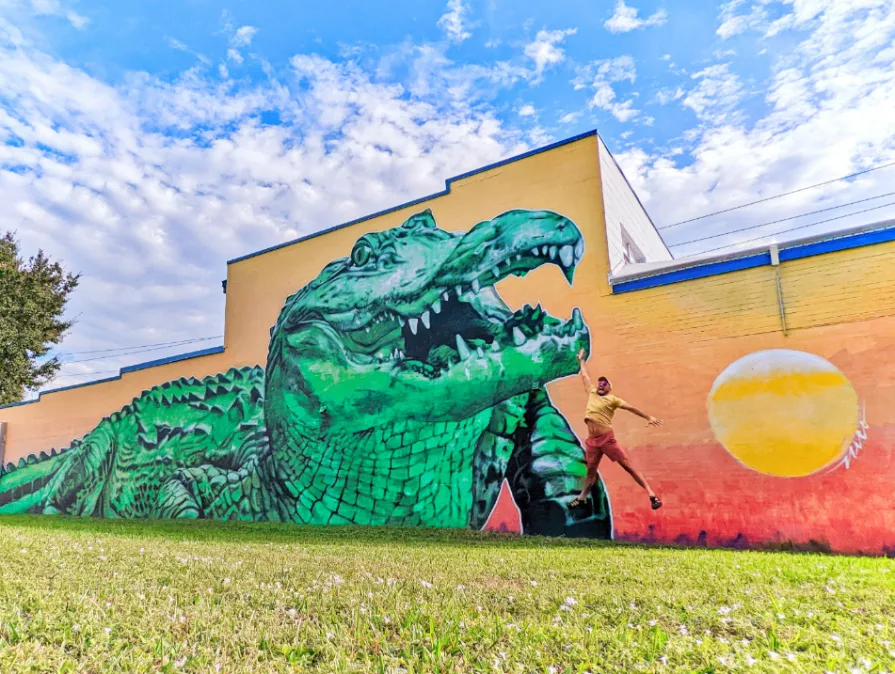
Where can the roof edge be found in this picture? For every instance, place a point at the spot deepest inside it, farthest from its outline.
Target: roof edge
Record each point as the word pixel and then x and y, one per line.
pixel 127 368
pixel 407 204
pixel 685 269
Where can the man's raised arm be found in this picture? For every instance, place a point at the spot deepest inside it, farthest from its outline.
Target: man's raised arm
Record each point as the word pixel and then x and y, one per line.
pixel 584 374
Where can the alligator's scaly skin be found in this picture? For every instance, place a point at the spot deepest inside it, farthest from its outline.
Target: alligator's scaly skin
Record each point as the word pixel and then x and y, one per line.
pixel 399 390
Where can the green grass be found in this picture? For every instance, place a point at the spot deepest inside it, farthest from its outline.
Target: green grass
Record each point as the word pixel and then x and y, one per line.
pixel 113 596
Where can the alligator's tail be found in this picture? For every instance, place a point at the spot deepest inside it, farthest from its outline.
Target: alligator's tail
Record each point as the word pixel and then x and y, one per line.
pixel 23 487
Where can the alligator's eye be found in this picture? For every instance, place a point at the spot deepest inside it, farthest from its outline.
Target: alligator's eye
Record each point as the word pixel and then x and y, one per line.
pixel 361 254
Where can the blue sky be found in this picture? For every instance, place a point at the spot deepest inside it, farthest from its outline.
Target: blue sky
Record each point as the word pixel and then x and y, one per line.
pixel 147 143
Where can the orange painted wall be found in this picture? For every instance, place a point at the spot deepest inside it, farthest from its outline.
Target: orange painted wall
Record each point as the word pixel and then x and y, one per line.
pixel 662 347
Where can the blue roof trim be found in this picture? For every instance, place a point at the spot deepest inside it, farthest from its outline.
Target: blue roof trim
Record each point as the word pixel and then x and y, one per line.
pixel 712 269
pixel 796 251
pixel 129 368
pixel 834 245
pixel 173 359
pixel 446 190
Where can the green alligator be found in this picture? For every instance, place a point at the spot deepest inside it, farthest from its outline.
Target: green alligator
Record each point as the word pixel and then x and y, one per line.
pixel 399 390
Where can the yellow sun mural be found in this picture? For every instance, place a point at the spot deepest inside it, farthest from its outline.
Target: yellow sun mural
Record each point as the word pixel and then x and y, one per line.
pixel 783 412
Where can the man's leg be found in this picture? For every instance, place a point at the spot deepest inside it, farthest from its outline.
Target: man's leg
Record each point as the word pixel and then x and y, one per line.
pixel 638 477
pixel 593 462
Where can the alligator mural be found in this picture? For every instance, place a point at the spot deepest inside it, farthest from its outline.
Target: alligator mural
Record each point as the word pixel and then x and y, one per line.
pixel 399 390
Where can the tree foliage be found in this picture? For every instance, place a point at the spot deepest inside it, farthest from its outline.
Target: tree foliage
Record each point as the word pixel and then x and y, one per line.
pixel 33 296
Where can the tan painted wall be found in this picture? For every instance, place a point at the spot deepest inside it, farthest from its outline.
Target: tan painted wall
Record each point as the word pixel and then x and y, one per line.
pixel 564 179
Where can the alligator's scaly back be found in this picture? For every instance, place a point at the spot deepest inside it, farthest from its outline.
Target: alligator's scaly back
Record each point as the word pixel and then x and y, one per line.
pixel 23 486
pixel 128 465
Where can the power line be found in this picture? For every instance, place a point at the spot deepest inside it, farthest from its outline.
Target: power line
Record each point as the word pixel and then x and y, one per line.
pixel 778 196
pixel 138 346
pixel 86 374
pixel 132 353
pixel 774 222
pixel 793 229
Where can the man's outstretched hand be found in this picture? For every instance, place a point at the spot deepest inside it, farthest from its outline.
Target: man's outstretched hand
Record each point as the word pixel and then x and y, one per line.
pixel 581 355
pixel 652 421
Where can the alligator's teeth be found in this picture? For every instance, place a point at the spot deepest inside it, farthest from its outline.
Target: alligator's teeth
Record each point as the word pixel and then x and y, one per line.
pixel 475 285
pixel 495 271
pixel 552 252
pixel 579 249
pixel 462 349
pixel 518 337
pixel 436 306
pixel 535 251
pixel 479 351
pixel 401 320
pixel 544 250
pixel 424 317
pixel 367 329
pixel 400 354
pixel 577 321
pixel 459 290
pixel 495 346
pixel 446 295
pixel 413 323
pixel 566 256
pixel 518 257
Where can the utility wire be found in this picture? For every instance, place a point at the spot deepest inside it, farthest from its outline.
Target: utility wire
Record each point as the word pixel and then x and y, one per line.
pixel 774 222
pixel 778 196
pixel 793 229
pixel 131 353
pixel 138 346
pixel 86 374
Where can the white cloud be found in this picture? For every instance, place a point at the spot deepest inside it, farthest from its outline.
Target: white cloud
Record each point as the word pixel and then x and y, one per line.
pixel 453 22
pixel 234 56
pixel 734 23
pixel 56 8
pixel 545 51
pixel 666 96
pixel 822 121
pixel 19 11
pixel 177 176
pixel 626 19
pixel 717 93
pixel 569 118
pixel 527 110
pixel 243 36
pixel 601 76
pixel 174 43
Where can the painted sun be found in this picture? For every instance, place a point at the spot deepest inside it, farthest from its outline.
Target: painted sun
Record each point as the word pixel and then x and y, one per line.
pixel 783 412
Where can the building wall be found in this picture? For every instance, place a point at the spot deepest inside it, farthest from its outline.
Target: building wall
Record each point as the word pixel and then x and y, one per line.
pixel 626 219
pixel 770 437
pixel 563 181
pixel 798 449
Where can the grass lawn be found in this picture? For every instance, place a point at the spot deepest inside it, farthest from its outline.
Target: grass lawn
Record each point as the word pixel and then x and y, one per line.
pixel 114 596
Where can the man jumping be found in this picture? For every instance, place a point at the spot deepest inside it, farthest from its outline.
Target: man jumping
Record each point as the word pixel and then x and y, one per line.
pixel 601 406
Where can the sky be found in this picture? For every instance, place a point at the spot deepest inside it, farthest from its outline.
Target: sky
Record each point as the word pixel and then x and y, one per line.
pixel 145 144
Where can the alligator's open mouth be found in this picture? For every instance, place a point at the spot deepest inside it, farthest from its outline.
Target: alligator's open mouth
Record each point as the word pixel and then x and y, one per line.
pixel 469 320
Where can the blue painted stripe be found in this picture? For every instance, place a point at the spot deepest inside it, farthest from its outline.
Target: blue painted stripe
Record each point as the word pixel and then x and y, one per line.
pixel 446 190
pixel 834 245
pixel 710 269
pixel 129 368
pixel 173 359
pixel 795 251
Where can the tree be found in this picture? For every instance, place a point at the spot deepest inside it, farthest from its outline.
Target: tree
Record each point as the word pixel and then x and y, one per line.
pixel 33 296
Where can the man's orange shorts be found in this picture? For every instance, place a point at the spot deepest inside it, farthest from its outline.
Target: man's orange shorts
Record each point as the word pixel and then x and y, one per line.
pixel 601 444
